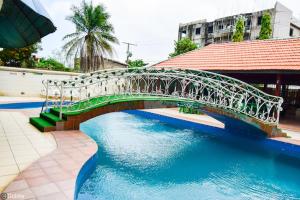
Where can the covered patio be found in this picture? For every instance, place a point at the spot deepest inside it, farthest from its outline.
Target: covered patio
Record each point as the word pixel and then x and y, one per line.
pixel 270 65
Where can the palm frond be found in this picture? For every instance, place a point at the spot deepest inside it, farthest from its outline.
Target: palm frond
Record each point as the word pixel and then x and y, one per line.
pixel 72 35
pixel 93 38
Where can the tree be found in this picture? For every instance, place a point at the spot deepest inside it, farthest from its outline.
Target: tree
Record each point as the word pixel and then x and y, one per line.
pixel 76 65
pixel 93 38
pixel 266 28
pixel 239 30
pixel 19 57
pixel 136 63
pixel 182 46
pixel 51 64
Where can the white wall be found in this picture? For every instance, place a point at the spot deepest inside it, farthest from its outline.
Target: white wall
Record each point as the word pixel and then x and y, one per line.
pixel 282 21
pixel 27 82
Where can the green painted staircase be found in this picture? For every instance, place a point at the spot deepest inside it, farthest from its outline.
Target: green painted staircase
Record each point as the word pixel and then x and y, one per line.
pixel 46 122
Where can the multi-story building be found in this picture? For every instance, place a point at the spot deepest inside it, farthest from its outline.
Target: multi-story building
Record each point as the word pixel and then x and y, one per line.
pixel 202 32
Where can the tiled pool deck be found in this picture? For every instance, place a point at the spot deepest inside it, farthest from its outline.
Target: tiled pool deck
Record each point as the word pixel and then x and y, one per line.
pixel 45 166
pixel 20 145
pixel 54 175
pixel 37 165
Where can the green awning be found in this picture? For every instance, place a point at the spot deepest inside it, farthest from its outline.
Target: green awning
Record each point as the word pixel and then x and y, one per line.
pixel 22 23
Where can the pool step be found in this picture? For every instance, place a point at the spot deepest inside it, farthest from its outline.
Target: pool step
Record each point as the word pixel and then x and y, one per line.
pixel 50 117
pixel 49 121
pixel 56 113
pixel 42 124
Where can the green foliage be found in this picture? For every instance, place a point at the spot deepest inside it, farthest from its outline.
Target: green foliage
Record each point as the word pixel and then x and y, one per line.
pixel 93 37
pixel 19 57
pixel 239 31
pixel 182 46
pixel 51 64
pixel 188 110
pixel 136 63
pixel 77 65
pixel 266 28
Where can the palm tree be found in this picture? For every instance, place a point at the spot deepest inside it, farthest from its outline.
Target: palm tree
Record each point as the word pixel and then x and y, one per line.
pixel 93 38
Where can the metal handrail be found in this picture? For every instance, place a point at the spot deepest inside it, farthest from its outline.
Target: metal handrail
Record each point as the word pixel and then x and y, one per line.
pixel 214 89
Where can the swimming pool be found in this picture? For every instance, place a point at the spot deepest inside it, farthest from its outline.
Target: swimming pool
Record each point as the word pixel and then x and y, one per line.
pixel 21 105
pixel 26 105
pixel 140 158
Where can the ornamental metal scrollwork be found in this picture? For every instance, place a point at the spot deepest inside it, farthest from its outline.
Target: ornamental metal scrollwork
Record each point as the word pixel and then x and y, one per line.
pixel 202 87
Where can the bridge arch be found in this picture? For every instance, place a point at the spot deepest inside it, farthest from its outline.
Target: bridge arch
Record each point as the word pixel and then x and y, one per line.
pixel 210 91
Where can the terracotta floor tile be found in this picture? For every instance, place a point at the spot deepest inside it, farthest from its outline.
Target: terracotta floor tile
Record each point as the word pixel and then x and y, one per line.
pixel 71 167
pixel 45 159
pixel 17 185
pixel 54 175
pixel 75 172
pixel 49 163
pixel 33 173
pixel 53 170
pixel 56 196
pixel 41 180
pixel 25 194
pixel 60 156
pixel 19 177
pixel 33 166
pixel 69 193
pixel 23 166
pixel 45 189
pixel 66 184
pixel 59 176
pixel 67 162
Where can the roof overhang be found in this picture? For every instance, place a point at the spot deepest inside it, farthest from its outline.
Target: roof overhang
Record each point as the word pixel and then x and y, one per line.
pixel 257 71
pixel 22 23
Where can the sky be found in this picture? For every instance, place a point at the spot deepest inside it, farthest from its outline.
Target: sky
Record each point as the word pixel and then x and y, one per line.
pixel 150 24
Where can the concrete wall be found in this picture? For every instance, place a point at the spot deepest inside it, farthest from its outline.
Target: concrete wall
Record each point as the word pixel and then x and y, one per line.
pixel 282 20
pixel 27 82
pixel 111 64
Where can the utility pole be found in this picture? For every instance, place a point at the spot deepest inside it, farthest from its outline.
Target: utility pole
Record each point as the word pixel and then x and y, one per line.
pixel 129 54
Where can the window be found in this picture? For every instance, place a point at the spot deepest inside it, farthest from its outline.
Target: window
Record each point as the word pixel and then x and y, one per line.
pixel 198 31
pixel 291 32
pixel 220 27
pixel 248 22
pixel 210 29
pixel 183 33
pixel 259 20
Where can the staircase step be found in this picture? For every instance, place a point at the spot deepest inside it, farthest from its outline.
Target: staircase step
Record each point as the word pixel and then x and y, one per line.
pixel 54 111
pixel 42 124
pixel 50 117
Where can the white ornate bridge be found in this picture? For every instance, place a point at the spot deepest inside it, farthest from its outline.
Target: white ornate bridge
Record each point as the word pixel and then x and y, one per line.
pixel 191 87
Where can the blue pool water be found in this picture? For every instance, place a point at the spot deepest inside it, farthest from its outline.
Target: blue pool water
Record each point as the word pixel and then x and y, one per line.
pixel 26 105
pixel 141 158
pixel 21 105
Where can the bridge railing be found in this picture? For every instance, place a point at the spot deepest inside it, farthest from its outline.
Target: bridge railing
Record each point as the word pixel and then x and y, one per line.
pixel 205 88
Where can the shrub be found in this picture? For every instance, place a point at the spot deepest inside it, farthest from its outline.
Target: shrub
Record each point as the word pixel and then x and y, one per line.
pixel 51 64
pixel 239 30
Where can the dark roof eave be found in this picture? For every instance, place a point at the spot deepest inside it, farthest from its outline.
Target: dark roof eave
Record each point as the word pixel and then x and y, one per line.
pixel 262 71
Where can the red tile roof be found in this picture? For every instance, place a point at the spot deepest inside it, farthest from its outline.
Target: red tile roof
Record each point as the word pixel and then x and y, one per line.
pixel 283 54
